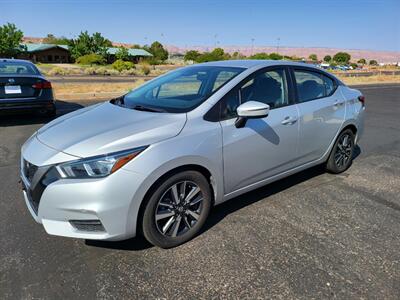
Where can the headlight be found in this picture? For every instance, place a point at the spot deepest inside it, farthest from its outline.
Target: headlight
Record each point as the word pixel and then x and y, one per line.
pixel 97 166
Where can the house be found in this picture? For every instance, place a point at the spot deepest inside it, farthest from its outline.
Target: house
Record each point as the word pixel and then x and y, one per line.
pixel 50 53
pixel 46 53
pixel 135 54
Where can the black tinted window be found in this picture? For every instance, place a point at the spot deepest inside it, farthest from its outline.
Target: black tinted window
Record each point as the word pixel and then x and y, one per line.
pixel 15 68
pixel 313 85
pixel 268 87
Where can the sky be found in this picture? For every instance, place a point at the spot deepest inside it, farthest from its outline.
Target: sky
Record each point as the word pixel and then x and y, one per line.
pixel 348 24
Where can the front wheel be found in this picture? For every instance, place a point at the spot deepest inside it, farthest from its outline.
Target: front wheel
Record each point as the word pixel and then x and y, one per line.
pixel 341 156
pixel 177 209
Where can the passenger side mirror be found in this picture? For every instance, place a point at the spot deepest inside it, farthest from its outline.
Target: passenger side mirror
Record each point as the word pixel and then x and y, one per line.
pixel 250 110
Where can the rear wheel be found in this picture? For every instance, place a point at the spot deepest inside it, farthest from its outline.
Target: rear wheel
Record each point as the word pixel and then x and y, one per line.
pixel 341 156
pixel 177 209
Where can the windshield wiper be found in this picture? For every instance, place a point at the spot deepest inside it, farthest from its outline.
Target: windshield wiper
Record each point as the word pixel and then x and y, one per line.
pixel 147 108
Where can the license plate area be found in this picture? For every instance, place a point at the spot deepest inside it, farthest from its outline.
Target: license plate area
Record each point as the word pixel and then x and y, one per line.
pixel 12 89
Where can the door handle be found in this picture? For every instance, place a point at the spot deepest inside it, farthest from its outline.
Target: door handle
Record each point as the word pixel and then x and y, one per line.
pixel 337 103
pixel 289 121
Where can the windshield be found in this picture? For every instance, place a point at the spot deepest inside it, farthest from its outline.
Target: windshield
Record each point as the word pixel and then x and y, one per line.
pixel 17 68
pixel 180 90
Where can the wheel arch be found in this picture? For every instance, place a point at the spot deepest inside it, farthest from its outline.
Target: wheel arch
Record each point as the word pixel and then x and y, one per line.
pixel 186 167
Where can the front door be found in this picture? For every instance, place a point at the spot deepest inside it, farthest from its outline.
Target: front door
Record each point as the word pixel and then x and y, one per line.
pixel 263 147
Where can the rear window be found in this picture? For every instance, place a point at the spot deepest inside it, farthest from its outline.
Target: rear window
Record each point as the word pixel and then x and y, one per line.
pixel 17 68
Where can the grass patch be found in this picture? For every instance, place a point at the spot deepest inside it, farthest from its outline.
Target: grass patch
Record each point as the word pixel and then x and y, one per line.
pixel 371 79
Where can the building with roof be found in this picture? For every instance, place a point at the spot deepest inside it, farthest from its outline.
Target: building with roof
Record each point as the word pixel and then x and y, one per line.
pixel 46 53
pixel 50 53
pixel 134 54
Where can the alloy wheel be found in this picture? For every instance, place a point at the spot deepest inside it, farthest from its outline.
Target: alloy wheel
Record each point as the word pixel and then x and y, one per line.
pixel 179 209
pixel 343 151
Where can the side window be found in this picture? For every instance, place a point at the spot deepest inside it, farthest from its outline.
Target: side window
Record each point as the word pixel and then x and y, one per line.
pixel 313 85
pixel 267 87
pixel 229 104
pixel 329 85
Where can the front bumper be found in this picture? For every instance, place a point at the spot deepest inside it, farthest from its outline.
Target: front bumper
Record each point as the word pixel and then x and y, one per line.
pixel 112 201
pixel 109 200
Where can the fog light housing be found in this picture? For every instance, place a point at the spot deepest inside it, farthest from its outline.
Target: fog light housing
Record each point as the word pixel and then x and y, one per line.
pixel 87 225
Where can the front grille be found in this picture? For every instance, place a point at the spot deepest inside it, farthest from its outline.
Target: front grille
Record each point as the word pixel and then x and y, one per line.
pixel 29 170
pixel 87 225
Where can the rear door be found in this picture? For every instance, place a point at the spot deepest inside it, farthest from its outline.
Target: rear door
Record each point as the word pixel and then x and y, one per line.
pixel 263 147
pixel 322 112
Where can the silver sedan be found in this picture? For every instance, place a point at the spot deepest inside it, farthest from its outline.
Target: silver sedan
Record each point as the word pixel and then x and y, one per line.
pixel 155 160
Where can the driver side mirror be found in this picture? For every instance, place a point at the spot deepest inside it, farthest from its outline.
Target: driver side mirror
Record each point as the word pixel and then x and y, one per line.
pixel 251 110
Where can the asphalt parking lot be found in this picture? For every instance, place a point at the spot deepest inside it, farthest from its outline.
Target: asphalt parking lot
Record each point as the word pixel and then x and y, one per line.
pixel 312 235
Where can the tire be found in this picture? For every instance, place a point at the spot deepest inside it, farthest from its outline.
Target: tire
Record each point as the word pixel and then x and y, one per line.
pixel 178 220
pixel 342 153
pixel 47 113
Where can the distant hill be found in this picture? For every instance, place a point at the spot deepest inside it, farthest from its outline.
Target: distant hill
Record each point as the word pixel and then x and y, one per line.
pixel 356 54
pixel 380 56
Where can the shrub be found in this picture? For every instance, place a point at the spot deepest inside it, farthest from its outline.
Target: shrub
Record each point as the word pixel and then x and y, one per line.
pixel 145 68
pixel 57 71
pixel 121 65
pixel 129 72
pixel 90 71
pixel 91 59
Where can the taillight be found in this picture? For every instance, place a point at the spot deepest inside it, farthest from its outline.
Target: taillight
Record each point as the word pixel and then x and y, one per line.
pixel 362 100
pixel 42 85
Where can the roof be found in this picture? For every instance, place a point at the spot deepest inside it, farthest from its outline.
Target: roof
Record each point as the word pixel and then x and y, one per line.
pixel 249 63
pixel 42 47
pixel 111 51
pixel 132 52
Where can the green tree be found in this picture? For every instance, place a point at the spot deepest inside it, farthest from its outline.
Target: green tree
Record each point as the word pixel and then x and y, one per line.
pixel 91 59
pixel 136 46
pixel 313 57
pixel 191 55
pixel 237 55
pixel 10 41
pixel 261 55
pixel 215 55
pixel 373 62
pixel 122 54
pixel 327 58
pixel 362 61
pixel 275 56
pixel 52 39
pixel 354 65
pixel 342 58
pixel 121 65
pixel 159 53
pixel 88 44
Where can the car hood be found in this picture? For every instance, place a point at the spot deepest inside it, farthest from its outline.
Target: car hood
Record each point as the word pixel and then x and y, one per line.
pixel 107 128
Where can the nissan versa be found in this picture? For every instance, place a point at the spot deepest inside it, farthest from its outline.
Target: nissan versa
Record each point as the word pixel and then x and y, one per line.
pixel 24 89
pixel 155 160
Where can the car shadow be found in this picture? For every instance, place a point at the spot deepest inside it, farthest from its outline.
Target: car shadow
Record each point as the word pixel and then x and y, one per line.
pixel 133 244
pixel 18 119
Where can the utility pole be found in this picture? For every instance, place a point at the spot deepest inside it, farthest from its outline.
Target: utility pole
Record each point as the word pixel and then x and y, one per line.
pixel 277 44
pixel 252 45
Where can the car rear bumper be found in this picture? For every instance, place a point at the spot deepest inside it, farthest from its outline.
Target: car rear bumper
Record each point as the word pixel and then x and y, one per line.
pixel 12 106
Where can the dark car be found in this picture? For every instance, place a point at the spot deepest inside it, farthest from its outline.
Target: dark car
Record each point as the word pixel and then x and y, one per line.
pixel 24 89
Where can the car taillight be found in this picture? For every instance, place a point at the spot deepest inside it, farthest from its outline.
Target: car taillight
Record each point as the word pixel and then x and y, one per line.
pixel 42 85
pixel 362 100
